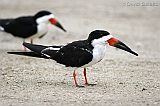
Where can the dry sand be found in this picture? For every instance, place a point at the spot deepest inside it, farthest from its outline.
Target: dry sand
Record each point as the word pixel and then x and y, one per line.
pixel 121 78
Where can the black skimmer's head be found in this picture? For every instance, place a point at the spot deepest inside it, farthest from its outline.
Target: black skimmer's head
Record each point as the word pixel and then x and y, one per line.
pixel 101 37
pixel 46 17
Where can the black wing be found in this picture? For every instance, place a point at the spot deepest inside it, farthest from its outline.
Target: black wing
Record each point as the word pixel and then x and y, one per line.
pixel 75 54
pixel 22 27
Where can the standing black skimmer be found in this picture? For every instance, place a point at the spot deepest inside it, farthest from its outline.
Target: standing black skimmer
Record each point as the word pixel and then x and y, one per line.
pixel 82 53
pixel 30 26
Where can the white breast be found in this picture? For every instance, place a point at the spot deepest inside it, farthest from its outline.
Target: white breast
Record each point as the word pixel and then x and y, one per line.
pixel 42 30
pixel 99 49
pixel 98 54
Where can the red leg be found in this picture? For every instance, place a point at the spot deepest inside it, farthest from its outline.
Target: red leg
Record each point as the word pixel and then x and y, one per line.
pixel 24 46
pixel 31 41
pixel 86 82
pixel 74 75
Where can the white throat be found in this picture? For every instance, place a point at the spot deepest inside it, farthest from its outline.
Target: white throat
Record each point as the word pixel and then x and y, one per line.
pixel 101 41
pixel 42 25
pixel 44 19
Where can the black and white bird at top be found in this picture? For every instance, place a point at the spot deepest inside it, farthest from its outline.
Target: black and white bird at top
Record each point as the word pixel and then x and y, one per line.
pixel 35 26
pixel 82 53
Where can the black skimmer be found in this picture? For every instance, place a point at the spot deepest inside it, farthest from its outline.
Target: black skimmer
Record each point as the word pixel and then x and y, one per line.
pixel 30 26
pixel 82 53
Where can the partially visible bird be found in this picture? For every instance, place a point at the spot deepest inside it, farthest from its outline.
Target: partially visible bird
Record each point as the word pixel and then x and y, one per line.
pixel 30 26
pixel 82 53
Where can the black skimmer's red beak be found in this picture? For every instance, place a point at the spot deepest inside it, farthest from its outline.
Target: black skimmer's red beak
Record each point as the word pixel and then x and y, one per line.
pixel 118 44
pixel 56 23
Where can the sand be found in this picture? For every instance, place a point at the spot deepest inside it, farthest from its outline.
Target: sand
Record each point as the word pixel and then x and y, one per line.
pixel 121 78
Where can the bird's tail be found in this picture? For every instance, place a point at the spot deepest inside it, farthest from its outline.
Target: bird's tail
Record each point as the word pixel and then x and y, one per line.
pixel 35 48
pixel 35 51
pixel 39 51
pixel 3 23
pixel 1 28
pixel 30 54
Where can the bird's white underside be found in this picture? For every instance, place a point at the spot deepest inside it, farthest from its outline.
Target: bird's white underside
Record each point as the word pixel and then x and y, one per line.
pixel 42 25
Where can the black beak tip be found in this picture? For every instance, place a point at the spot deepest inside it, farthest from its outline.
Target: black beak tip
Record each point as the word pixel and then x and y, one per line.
pixel 60 26
pixel 64 30
pixel 136 54
pixel 122 46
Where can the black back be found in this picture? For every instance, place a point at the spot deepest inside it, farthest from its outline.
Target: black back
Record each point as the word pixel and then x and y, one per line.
pixel 75 54
pixel 22 27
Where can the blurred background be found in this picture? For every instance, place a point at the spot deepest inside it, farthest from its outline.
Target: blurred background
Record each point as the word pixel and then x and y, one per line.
pixel 135 22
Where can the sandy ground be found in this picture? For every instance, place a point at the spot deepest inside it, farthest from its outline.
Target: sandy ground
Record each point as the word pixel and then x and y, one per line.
pixel 121 78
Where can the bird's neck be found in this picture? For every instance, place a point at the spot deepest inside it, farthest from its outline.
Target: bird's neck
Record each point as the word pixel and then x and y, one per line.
pixel 100 49
pixel 99 52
